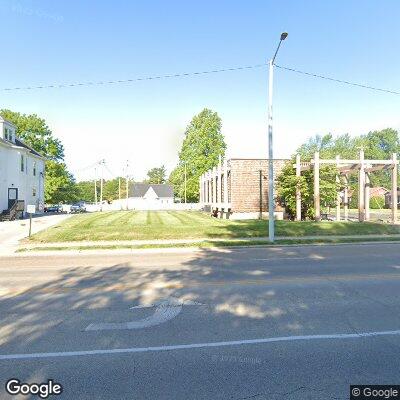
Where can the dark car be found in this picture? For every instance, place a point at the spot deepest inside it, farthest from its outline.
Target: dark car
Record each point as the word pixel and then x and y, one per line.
pixel 54 209
pixel 78 207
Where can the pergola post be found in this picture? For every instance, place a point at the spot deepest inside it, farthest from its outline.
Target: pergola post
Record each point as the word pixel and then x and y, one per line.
pixel 346 197
pixel 394 188
pixel 214 186
pixel 316 188
pixel 201 190
pixel 298 193
pixel 367 194
pixel 338 191
pixel 225 183
pixel 219 187
pixel 361 188
pixel 209 188
pixel 219 191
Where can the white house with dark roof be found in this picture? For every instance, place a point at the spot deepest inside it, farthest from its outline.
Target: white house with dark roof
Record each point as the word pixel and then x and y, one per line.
pixel 151 194
pixel 22 172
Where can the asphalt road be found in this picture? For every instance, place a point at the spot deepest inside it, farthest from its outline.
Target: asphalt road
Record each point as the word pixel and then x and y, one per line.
pixel 247 323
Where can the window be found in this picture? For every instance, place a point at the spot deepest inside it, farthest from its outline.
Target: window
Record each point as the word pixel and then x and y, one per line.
pixel 34 192
pixel 6 133
pixel 34 168
pixel 22 163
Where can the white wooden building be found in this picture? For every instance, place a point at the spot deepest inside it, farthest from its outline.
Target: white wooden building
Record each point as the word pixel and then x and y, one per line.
pixel 22 172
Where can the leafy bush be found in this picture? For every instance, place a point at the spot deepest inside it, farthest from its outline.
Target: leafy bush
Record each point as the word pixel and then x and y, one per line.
pixel 377 202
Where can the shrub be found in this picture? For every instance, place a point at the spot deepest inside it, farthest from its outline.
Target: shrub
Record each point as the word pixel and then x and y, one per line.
pixel 377 202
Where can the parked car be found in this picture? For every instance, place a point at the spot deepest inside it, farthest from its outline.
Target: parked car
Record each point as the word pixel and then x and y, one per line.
pixel 79 207
pixel 55 209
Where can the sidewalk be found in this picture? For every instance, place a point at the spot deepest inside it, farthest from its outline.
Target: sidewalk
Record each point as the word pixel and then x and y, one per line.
pixel 11 232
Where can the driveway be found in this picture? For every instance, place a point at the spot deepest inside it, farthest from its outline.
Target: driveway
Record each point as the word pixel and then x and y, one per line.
pixel 11 232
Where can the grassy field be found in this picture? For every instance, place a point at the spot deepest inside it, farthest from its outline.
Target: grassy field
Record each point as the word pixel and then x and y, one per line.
pixel 151 225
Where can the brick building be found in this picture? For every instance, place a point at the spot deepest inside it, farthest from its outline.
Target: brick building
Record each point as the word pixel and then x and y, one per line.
pixel 238 188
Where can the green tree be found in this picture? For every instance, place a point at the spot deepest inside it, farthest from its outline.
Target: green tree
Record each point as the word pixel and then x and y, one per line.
pixel 157 175
pixel 85 190
pixel 35 133
pixel 287 183
pixel 59 183
pixel 380 145
pixel 201 148
pixel 110 190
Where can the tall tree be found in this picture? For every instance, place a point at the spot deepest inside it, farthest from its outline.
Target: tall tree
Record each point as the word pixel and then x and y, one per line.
pixel 110 190
pixel 35 133
pixel 201 148
pixel 157 175
pixel 33 130
pixel 60 185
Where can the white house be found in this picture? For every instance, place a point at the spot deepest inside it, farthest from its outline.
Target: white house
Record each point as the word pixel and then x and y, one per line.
pixel 147 196
pixel 151 194
pixel 21 172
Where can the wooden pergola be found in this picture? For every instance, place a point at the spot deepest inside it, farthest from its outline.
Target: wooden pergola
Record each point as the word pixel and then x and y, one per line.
pixel 363 168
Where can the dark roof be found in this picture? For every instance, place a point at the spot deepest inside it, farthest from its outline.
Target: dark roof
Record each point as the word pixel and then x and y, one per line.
pixel 140 189
pixel 20 143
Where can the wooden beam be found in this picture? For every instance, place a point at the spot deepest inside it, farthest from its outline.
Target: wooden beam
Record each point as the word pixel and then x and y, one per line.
pixel 346 197
pixel 225 182
pixel 338 192
pixel 219 179
pixel 209 187
pixel 214 186
pixel 341 162
pixel 367 194
pixel 361 188
pixel 316 188
pixel 377 168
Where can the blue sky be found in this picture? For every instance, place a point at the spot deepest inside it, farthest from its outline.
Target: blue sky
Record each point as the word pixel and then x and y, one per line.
pixel 46 42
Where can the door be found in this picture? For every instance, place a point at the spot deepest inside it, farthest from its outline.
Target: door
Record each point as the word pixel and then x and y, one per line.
pixel 12 196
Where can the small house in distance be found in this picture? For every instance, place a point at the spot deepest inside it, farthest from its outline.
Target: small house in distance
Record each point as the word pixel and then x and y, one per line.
pixel 388 199
pixel 149 195
pixel 162 193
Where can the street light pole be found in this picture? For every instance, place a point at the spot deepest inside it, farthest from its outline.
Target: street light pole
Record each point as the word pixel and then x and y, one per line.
pixel 271 202
pixel 271 205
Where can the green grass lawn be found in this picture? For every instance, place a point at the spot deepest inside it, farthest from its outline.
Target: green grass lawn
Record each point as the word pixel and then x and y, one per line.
pixel 149 225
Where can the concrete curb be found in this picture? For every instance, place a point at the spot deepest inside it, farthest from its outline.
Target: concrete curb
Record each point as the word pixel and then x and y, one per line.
pixel 193 249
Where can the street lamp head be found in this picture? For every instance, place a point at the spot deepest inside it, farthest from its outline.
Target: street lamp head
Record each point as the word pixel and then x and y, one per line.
pixel 284 35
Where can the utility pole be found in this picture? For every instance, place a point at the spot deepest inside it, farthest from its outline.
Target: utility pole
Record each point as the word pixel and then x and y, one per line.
pixel 101 185
pixel 119 191
pixel 95 186
pixel 126 184
pixel 271 202
pixel 185 182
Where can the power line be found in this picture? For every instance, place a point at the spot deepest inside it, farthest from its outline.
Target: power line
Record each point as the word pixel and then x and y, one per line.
pixel 148 78
pixel 337 80
pixel 188 74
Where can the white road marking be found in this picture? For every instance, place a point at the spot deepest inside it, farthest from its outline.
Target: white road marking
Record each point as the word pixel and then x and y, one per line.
pixel 165 311
pixel 339 336
pixel 172 301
